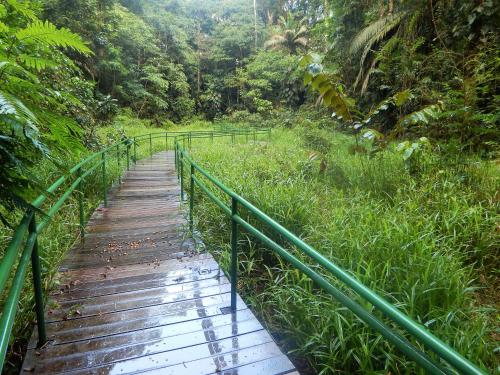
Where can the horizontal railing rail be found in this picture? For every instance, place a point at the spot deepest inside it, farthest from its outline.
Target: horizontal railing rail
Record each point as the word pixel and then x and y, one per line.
pixel 23 245
pixel 197 175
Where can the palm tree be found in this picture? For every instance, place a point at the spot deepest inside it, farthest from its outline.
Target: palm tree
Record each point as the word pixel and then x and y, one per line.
pixel 291 37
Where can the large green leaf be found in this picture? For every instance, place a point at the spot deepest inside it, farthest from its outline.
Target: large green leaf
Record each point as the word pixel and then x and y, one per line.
pixel 48 34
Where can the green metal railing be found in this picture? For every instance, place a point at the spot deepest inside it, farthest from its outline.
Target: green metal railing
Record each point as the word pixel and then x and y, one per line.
pixel 23 246
pixel 197 176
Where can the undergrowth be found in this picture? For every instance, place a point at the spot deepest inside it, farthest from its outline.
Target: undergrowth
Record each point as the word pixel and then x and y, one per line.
pixel 425 241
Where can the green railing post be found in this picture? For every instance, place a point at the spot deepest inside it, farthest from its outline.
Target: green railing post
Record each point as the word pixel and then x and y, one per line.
pixel 80 206
pixel 118 163
pixel 128 156
pixel 37 287
pixel 189 140
pixel 135 151
pixel 176 157
pixel 104 190
pixel 181 161
pixel 150 145
pixel 166 141
pixel 234 252
pixel 212 137
pixel 191 199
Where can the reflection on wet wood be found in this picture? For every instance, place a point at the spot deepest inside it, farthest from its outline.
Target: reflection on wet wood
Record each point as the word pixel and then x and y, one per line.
pixel 136 296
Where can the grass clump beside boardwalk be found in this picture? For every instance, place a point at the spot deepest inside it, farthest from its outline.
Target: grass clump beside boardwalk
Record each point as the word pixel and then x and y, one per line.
pixel 424 241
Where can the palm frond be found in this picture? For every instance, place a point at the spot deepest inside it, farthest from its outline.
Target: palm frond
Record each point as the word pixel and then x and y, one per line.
pixel 375 32
pixel 301 31
pixel 301 41
pixel 275 41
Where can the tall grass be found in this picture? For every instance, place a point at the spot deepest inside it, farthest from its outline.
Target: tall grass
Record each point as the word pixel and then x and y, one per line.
pixel 423 242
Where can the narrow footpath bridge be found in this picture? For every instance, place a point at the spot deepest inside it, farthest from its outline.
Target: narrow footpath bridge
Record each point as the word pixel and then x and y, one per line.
pixel 135 296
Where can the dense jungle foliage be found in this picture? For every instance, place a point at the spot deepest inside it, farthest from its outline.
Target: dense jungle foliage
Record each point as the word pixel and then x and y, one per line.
pixel 386 112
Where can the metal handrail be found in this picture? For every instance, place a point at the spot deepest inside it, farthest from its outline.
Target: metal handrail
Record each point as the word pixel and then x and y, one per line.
pixel 417 331
pixel 75 178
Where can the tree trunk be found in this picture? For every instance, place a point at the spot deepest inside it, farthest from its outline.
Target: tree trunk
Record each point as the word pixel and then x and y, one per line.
pixel 255 21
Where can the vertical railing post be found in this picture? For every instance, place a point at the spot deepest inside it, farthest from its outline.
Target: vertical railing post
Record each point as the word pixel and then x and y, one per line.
pixel 166 141
pixel 118 163
pixel 191 199
pixel 37 287
pixel 175 157
pixel 189 140
pixel 212 137
pixel 80 206
pixel 135 150
pixel 234 253
pixel 128 156
pixel 182 176
pixel 150 145
pixel 104 185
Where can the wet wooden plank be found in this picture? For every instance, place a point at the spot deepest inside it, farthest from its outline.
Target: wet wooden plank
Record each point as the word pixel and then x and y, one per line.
pixel 73 290
pixel 100 305
pixel 137 297
pixel 63 358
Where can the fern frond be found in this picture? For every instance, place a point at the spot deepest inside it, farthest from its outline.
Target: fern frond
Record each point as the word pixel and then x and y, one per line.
pixel 10 106
pixel 23 8
pixel 37 63
pixel 48 34
pixel 3 28
pixel 375 32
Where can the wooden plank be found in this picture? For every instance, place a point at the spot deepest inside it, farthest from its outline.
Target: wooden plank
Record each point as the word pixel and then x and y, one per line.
pixel 76 329
pixel 213 356
pixel 76 309
pixel 63 358
pixel 75 290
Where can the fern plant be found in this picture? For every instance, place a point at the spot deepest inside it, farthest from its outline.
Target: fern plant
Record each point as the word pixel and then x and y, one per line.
pixel 31 112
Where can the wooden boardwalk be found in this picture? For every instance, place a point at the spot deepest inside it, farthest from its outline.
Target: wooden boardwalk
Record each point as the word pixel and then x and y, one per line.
pixel 137 298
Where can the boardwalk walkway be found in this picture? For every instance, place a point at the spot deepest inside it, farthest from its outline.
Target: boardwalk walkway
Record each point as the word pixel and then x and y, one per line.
pixel 137 298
